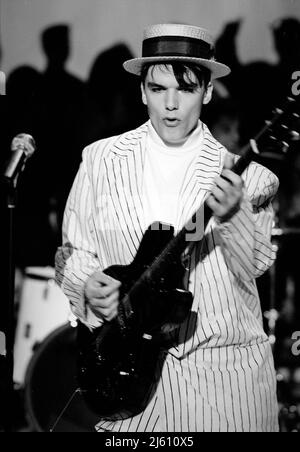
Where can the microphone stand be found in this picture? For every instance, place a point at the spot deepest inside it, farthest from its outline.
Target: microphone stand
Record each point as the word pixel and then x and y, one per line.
pixel 11 195
pixel 23 146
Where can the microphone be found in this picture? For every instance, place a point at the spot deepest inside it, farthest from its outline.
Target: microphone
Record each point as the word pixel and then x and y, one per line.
pixel 22 147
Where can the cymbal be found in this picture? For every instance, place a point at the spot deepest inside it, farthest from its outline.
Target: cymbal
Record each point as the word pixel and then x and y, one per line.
pixel 278 232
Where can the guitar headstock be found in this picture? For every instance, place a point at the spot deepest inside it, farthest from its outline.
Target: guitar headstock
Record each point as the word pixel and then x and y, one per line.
pixel 280 131
pixel 274 139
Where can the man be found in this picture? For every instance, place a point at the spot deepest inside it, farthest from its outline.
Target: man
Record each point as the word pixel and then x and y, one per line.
pixel 218 374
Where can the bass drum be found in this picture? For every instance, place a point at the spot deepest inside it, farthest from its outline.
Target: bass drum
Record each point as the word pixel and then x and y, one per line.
pixel 43 308
pixel 51 400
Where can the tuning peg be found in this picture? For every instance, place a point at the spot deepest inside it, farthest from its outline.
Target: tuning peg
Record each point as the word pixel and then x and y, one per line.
pixel 288 132
pixel 272 138
pixel 291 99
pixel 284 146
pixel 295 136
pixel 278 111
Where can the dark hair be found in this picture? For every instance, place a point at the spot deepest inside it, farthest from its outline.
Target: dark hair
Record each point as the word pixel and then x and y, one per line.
pixel 181 73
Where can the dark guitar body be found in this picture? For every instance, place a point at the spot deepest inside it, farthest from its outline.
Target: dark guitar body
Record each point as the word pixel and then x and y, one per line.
pixel 118 361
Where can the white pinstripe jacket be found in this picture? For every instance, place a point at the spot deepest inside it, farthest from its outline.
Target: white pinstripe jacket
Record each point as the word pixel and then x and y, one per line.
pixel 104 223
pixel 220 359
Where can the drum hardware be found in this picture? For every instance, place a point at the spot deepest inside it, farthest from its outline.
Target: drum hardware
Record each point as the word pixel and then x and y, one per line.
pixel 73 324
pixel 2 344
pixel 280 232
pixel 77 391
pixel 272 315
pixel 289 411
pixel 53 400
pixel 289 408
pixel 289 418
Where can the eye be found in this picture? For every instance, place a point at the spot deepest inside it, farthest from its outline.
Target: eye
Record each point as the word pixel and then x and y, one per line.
pixel 188 89
pixel 156 90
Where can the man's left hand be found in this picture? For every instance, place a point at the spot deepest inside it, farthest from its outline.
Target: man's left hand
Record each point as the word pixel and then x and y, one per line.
pixel 227 194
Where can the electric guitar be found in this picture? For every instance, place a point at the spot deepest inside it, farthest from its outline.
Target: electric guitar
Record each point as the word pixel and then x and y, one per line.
pixel 118 362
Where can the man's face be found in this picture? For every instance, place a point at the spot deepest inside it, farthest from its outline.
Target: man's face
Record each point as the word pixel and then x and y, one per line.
pixel 173 110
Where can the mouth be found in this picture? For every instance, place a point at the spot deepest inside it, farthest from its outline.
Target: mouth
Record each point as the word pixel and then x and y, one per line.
pixel 171 122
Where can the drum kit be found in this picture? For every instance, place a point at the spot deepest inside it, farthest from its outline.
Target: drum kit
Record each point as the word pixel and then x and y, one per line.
pixel 45 355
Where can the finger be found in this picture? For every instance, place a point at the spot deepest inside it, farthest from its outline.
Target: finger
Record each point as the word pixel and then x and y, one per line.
pixel 232 178
pixel 221 211
pixel 223 184
pixel 112 315
pixel 104 279
pixel 107 313
pixel 228 161
pixel 94 290
pixel 107 291
pixel 104 302
pixel 214 205
pixel 219 195
pixel 102 286
pixel 100 292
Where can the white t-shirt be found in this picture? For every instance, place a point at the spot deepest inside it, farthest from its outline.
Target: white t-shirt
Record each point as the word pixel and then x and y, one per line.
pixel 164 173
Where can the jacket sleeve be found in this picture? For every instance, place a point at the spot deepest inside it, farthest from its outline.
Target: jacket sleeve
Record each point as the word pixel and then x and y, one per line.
pixel 246 237
pixel 77 258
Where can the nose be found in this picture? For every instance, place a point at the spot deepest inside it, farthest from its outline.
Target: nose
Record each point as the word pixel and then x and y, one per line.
pixel 171 100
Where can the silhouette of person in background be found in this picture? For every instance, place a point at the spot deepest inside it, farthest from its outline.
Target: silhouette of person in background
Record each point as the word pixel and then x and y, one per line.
pixel 23 86
pixel 112 106
pixel 257 96
pixel 286 34
pixel 61 116
pixel 246 83
pixel 56 45
pixel 227 48
pixel 222 118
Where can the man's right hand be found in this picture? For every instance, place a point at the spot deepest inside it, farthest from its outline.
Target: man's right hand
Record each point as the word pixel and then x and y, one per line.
pixel 102 295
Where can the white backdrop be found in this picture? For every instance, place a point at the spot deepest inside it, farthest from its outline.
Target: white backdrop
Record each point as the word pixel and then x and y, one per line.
pixel 97 24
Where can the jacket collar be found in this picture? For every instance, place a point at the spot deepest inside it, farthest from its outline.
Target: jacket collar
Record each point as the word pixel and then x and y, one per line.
pixel 128 151
pixel 210 152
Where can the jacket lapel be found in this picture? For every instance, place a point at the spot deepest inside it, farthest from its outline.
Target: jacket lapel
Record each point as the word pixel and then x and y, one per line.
pixel 200 178
pixel 124 172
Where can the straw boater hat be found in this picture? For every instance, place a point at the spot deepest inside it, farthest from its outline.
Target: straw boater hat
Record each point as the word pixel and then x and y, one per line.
pixel 177 42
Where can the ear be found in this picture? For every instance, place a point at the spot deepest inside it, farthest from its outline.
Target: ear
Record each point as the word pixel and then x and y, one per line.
pixel 144 98
pixel 208 93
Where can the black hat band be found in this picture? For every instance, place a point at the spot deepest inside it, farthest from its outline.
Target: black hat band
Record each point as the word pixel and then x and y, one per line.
pixel 177 46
